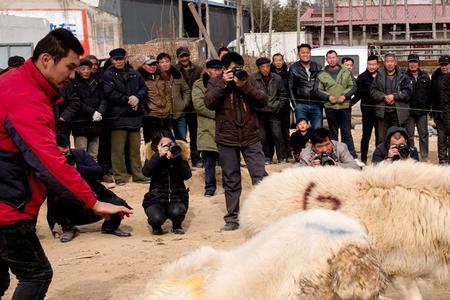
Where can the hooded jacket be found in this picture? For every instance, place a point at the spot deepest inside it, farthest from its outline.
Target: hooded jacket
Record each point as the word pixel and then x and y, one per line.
pixel 30 161
pixel 402 87
pixel 167 176
pixel 382 150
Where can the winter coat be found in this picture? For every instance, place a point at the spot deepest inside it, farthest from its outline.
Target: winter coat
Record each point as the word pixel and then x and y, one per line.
pixel 382 150
pixel 30 161
pixel 445 102
pixel 302 87
pixel 117 90
pixel 402 93
pixel 206 118
pixel 158 102
pixel 89 95
pixel 236 121
pixel 191 74
pixel 344 85
pixel 167 177
pixel 275 91
pixel 420 101
pixel 283 73
pixel 363 83
pixel 436 86
pixel 181 93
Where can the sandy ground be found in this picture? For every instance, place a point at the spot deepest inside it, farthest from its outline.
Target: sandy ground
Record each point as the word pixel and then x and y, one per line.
pixel 95 266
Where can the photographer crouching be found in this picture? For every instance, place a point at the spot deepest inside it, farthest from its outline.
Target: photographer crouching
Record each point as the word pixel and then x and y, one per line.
pixel 61 211
pixel 325 152
pixel 395 147
pixel 167 166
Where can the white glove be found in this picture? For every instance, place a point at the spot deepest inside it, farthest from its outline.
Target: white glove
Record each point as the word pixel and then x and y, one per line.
pixel 133 101
pixel 96 117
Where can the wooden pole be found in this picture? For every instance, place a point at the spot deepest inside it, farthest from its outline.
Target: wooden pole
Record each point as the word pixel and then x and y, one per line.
pixel 380 18
pixel 208 29
pixel 336 29
pixel 298 21
pixel 407 20
pixel 200 13
pixel 252 17
pixel 270 28
pixel 433 25
pixel 365 19
pixel 350 24
pixel 203 29
pixel 322 25
pixel 180 19
pixel 238 26
pixel 261 6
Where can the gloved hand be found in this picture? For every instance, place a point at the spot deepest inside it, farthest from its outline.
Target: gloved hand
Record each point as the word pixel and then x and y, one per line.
pixel 96 117
pixel 133 101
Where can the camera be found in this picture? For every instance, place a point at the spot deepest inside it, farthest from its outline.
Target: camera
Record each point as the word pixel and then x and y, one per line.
pixel 175 149
pixel 403 150
pixel 240 73
pixel 325 159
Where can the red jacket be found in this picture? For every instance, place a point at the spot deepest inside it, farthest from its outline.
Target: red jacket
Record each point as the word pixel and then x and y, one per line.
pixel 30 161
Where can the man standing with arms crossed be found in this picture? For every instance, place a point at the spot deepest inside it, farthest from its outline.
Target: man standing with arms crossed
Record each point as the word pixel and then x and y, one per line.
pixel 31 163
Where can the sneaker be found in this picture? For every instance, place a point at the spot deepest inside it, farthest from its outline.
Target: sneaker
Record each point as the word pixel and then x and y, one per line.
pixel 360 163
pixel 107 179
pixel 209 193
pixel 230 226
pixel 157 231
pixel 121 182
pixel 117 232
pixel 178 230
pixel 68 235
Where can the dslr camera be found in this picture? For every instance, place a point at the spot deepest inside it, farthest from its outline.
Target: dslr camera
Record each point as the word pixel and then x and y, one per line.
pixel 325 159
pixel 403 150
pixel 174 148
pixel 240 73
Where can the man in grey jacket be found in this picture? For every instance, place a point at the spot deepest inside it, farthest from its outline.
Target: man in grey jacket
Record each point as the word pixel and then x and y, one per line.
pixel 391 90
pixel 324 151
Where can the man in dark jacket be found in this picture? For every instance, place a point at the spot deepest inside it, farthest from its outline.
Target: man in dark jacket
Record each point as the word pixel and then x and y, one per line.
pixel 269 118
pixel 66 214
pixel 395 147
pixel 391 90
pixel 369 120
pixel 191 73
pixel 302 79
pixel 31 163
pixel 439 96
pixel 13 62
pixel 88 99
pixel 234 96
pixel 124 88
pixel 420 104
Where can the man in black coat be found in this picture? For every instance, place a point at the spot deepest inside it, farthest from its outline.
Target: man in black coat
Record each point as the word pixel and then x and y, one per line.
pixel 68 215
pixel 302 79
pixel 124 88
pixel 419 104
pixel 440 101
pixel 369 120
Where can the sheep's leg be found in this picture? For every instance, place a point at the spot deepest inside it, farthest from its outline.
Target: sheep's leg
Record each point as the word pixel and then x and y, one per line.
pixel 408 288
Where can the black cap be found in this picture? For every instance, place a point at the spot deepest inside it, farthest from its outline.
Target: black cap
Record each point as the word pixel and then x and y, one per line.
pixel 15 61
pixel 300 120
pixel 118 52
pixel 85 62
pixel 262 61
pixel 444 60
pixel 183 51
pixel 214 63
pixel 413 57
pixel 62 141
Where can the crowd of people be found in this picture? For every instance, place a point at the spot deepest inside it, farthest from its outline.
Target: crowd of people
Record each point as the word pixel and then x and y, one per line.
pixel 191 117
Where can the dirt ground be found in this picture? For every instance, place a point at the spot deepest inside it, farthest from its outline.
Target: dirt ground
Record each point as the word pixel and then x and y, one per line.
pixel 95 266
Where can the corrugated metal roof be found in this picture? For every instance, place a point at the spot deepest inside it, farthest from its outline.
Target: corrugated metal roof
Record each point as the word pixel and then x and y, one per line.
pixel 418 14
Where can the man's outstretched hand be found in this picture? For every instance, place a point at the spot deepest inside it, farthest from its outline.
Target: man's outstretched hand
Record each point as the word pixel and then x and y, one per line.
pixel 104 210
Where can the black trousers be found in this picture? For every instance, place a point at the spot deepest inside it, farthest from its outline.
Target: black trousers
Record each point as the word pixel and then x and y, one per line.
pixel 152 125
pixel 69 215
pixel 158 213
pixel 104 150
pixel 271 135
pixel 285 118
pixel 369 122
pixel 341 120
pixel 231 174
pixel 390 119
pixel 191 121
pixel 22 253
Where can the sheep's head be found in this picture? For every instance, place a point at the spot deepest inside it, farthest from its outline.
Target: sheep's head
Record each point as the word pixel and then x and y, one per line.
pixel 356 273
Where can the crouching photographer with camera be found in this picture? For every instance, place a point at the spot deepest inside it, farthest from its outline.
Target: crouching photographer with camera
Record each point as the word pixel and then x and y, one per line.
pixel 395 147
pixel 325 152
pixel 167 166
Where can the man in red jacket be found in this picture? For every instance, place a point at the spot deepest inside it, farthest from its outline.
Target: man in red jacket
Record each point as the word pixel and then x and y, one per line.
pixel 30 162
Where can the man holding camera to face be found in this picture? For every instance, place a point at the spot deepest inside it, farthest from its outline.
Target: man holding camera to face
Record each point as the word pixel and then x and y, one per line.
pixel 326 152
pixel 234 97
pixel 395 147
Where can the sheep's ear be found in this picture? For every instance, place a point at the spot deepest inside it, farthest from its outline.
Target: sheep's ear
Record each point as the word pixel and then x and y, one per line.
pixel 356 273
